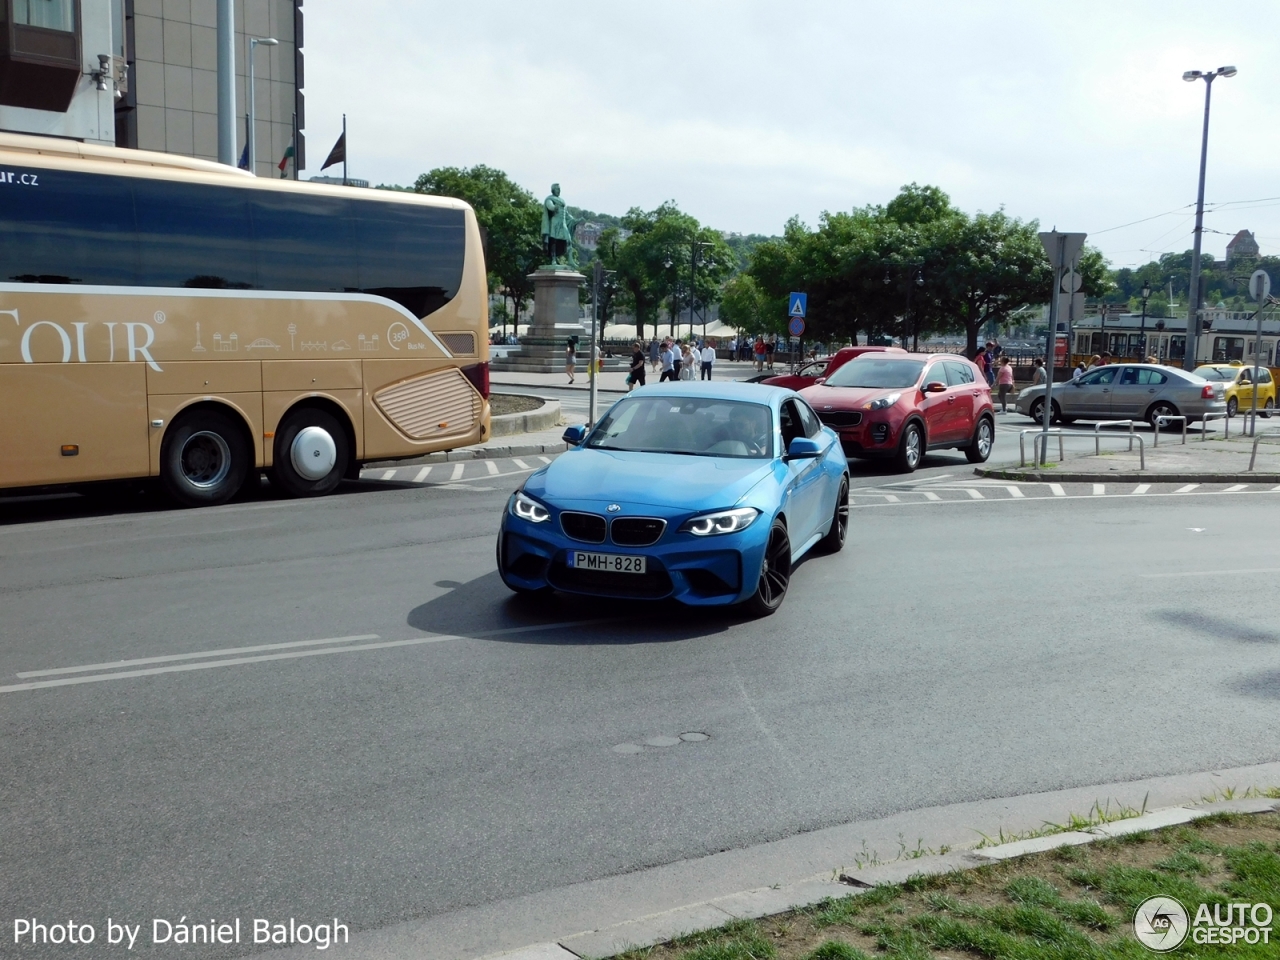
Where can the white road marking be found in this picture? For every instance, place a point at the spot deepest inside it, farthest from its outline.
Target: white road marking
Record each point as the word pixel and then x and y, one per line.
pixel 422 475
pixel 194 656
pixel 1057 490
pixel 1211 573
pixel 1099 489
pixel 1187 489
pixel 461 486
pixel 290 655
pixel 930 495
pixel 545 459
pixel 457 471
pixel 1233 489
pixel 890 498
pixel 388 474
pixel 941 476
pixel 491 467
pixel 521 464
pixel 1140 489
pixel 975 494
pixel 1015 492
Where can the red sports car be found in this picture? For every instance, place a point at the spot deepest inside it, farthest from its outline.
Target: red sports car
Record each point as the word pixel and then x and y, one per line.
pixel 900 405
pixel 809 373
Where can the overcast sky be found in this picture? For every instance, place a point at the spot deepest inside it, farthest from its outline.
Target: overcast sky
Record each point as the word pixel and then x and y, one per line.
pixel 747 113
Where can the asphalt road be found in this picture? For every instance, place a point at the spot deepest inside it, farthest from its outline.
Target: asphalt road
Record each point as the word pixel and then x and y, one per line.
pixel 961 647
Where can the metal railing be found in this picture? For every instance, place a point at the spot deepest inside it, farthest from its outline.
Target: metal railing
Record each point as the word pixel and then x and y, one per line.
pixel 1097 437
pixel 1164 420
pixel 1253 454
pixel 1204 425
pixel 1039 432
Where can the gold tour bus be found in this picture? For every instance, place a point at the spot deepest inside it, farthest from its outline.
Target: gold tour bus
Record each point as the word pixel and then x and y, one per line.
pixel 173 318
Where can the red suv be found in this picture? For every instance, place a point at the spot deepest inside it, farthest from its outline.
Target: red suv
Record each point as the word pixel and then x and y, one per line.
pixel 899 405
pixel 809 373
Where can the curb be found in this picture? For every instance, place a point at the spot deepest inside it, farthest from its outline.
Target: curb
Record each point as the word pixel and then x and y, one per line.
pixel 496 384
pixel 1030 474
pixel 768 901
pixel 475 453
pixel 531 421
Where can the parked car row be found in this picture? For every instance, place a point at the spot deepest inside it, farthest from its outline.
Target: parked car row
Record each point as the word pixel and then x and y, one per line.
pixel 1128 391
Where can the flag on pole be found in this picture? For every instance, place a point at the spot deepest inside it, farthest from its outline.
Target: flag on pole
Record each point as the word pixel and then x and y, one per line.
pixel 244 157
pixel 283 165
pixel 338 154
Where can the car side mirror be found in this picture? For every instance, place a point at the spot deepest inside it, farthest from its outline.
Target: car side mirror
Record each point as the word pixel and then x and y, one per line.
pixel 574 435
pixel 803 448
pixel 820 380
pixel 935 386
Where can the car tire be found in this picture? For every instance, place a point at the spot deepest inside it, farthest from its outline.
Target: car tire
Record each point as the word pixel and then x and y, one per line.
pixel 1036 411
pixel 833 542
pixel 204 459
pixel 541 593
pixel 775 573
pixel 1233 407
pixel 1268 408
pixel 312 453
pixel 910 449
pixel 984 438
pixel 1162 408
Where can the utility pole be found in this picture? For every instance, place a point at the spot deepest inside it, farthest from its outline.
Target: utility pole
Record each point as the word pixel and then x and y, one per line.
pixel 226 83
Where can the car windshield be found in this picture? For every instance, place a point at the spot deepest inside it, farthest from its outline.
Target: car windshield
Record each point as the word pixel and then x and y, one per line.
pixel 877 371
pixel 691 426
pixel 1217 373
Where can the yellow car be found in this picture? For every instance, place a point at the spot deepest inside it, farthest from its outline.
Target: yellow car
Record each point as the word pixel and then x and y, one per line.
pixel 1237 381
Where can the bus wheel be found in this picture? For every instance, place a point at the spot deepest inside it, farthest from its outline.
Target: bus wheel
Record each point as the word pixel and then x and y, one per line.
pixel 311 453
pixel 204 459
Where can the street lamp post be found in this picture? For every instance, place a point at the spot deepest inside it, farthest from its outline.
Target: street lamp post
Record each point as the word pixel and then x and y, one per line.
pixel 1146 295
pixel 694 247
pixel 1194 307
pixel 250 138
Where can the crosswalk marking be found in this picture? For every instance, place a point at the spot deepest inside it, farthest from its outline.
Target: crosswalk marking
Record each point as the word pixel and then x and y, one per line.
pixel 1187 489
pixel 521 464
pixel 930 495
pixel 1099 489
pixel 1140 489
pixel 891 498
pixel 388 474
pixel 422 475
pixel 457 472
pixel 1057 490
pixel 975 494
pixel 545 459
pixel 1233 489
pixel 1014 492
pixel 491 467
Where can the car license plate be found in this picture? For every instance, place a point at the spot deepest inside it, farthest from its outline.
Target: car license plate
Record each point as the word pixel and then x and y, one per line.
pixel 610 562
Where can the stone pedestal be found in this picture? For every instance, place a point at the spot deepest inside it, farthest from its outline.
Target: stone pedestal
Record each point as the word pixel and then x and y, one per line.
pixel 556 317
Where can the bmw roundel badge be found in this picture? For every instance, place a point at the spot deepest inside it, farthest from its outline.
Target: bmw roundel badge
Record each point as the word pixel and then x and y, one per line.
pixel 614 507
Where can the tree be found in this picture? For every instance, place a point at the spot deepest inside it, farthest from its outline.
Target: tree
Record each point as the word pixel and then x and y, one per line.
pixel 510 224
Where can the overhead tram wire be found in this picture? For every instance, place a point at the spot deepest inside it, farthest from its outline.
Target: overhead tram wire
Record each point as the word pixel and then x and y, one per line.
pixel 1208 208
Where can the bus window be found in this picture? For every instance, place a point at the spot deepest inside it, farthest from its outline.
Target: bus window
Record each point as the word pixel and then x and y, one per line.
pixel 410 254
pixel 68 228
pixel 192 235
pixel 304 242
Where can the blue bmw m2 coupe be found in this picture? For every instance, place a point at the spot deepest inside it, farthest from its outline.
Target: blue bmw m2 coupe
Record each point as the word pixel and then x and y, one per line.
pixel 704 493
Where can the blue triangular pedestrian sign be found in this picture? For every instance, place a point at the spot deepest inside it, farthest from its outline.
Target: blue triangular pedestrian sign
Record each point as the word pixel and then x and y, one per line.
pixel 799 302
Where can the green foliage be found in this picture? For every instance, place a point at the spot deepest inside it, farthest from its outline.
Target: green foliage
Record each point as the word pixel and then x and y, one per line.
pixel 835 950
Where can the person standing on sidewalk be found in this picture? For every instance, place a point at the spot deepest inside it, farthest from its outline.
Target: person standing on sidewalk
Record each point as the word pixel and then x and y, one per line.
pixel 980 359
pixel 769 346
pixel 1004 380
pixel 570 358
pixel 636 377
pixel 688 362
pixel 759 354
pixel 1038 376
pixel 708 359
pixel 655 354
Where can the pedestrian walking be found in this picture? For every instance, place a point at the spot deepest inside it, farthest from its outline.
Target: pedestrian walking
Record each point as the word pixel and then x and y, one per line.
pixel 1078 372
pixel 635 377
pixel 655 353
pixel 1094 362
pixel 688 362
pixel 708 359
pixel 1038 375
pixel 570 358
pixel 1004 380
pixel 759 354
pixel 980 359
pixel 668 360
pixel 990 366
pixel 769 347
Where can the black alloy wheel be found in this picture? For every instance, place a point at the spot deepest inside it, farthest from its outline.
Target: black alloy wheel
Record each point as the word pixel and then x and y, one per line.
pixel 1037 411
pixel 983 439
pixel 204 458
pixel 775 573
pixel 1161 409
pixel 833 542
pixel 1233 407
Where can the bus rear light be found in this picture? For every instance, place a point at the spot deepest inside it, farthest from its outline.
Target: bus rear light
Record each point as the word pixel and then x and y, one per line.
pixel 478 374
pixel 71 449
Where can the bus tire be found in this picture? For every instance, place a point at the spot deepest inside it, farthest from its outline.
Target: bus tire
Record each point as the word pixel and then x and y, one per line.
pixel 204 459
pixel 312 453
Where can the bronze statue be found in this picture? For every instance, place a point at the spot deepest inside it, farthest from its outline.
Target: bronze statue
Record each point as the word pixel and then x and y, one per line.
pixel 557 230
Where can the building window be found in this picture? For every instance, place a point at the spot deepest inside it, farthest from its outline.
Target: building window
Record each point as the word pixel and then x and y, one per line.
pixel 50 14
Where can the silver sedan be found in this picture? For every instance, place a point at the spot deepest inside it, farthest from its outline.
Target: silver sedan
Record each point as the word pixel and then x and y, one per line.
pixel 1127 391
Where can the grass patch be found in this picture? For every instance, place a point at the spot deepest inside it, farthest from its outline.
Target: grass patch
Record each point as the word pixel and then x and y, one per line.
pixel 1075 903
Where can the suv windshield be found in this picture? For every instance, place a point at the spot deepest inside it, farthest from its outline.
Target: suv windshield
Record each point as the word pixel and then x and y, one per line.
pixel 877 371
pixel 687 425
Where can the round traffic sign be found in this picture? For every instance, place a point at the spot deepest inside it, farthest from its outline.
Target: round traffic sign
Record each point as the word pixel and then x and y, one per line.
pixel 1260 285
pixel 796 326
pixel 1071 281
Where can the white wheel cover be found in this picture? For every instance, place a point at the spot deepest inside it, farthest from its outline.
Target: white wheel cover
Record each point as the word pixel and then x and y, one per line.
pixel 313 453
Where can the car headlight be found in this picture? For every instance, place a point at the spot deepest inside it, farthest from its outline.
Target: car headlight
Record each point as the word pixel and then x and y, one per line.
pixel 884 402
pixel 526 508
pixel 723 521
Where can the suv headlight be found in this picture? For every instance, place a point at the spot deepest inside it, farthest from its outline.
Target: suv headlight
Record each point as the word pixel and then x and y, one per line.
pixel 723 521
pixel 884 402
pixel 526 508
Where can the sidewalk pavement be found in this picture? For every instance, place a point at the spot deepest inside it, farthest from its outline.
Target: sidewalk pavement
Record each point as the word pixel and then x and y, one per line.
pixel 615 381
pixel 1197 461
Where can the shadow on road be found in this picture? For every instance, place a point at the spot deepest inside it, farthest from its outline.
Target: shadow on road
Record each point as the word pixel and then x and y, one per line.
pixel 482 607
pixel 1218 627
pixel 1265 685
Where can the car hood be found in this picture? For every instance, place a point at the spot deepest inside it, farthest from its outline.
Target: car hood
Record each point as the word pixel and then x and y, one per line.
pixel 654 479
pixel 846 398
